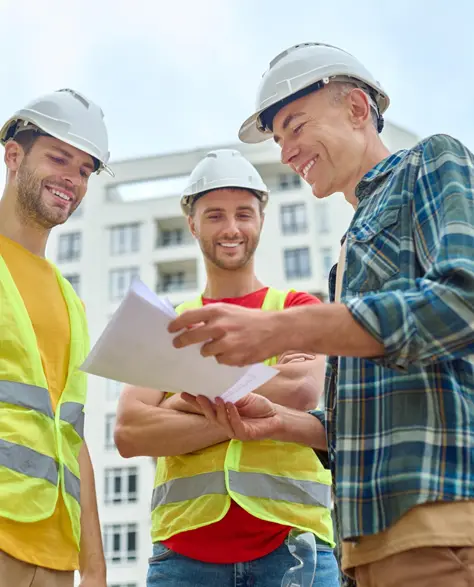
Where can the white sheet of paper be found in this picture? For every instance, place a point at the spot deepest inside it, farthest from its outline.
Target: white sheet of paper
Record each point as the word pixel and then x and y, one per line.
pixel 136 348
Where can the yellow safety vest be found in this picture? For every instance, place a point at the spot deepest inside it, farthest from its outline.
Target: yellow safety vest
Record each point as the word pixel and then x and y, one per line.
pixel 39 449
pixel 280 482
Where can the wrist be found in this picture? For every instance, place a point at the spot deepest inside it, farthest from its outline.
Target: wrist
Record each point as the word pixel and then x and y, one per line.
pixel 282 430
pixel 97 574
pixel 299 427
pixel 292 328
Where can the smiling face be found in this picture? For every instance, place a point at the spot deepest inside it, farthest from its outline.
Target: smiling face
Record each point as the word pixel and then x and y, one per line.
pixel 324 140
pixel 51 179
pixel 227 224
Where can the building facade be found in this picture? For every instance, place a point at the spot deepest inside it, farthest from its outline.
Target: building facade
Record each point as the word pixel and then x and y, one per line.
pixel 131 226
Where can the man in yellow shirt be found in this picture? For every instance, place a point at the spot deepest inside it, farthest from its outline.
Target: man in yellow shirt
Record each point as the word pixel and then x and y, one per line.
pixel 48 505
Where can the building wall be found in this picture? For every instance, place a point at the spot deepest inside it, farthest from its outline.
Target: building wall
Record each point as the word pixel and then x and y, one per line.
pixel 319 228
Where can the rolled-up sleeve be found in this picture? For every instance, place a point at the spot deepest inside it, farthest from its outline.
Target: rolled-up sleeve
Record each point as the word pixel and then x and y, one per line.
pixel 434 321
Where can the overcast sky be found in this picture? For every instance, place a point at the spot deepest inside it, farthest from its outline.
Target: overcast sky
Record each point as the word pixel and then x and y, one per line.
pixel 179 74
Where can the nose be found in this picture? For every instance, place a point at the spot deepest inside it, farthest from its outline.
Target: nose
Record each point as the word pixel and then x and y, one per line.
pixel 289 152
pixel 73 177
pixel 231 229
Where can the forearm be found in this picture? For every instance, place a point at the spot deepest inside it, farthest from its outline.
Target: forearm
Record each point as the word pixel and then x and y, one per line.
pixel 301 428
pixel 326 329
pixel 144 430
pixel 295 386
pixel 91 556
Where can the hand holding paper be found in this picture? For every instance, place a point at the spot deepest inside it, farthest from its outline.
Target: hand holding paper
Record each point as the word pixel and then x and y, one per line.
pixel 136 348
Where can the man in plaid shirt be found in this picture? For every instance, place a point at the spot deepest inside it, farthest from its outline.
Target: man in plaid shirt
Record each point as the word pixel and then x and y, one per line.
pixel 399 333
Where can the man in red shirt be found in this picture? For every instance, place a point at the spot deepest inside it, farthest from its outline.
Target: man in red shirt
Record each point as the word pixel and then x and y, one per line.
pixel 209 538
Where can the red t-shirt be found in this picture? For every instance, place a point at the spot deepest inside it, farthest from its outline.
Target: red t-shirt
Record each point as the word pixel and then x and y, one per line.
pixel 239 536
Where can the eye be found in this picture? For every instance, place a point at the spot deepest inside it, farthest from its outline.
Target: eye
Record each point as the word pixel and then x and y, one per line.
pixel 245 216
pixel 57 160
pixel 298 128
pixel 85 174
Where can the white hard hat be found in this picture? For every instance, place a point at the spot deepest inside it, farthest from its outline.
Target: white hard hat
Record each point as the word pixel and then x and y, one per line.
pixel 224 168
pixel 67 116
pixel 300 70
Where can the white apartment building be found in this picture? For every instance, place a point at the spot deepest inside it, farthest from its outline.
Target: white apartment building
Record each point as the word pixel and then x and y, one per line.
pixel 132 225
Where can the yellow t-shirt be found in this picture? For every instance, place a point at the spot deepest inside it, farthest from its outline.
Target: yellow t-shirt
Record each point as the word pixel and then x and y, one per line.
pixel 48 543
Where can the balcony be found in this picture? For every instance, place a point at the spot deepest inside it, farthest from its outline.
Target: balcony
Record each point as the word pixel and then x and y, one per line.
pixel 177 276
pixel 175 237
pixel 175 282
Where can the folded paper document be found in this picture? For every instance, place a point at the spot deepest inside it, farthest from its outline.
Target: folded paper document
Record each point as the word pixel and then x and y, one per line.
pixel 136 348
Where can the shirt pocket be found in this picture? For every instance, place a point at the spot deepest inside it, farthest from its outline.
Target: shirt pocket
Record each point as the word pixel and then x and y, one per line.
pixel 373 253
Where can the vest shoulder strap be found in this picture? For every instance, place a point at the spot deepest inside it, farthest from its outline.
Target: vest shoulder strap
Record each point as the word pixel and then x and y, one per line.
pixel 189 305
pixel 275 299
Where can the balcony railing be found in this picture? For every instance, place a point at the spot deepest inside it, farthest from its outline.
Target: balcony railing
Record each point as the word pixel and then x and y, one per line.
pixel 172 242
pixel 170 287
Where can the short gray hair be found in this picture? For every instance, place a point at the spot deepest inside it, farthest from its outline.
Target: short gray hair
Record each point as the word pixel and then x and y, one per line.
pixel 340 89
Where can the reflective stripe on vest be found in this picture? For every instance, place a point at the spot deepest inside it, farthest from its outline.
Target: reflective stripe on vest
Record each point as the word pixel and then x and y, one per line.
pixel 261 485
pixel 38 399
pixel 26 460
pixel 34 464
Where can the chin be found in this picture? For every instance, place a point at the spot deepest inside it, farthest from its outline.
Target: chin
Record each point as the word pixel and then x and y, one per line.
pixel 320 194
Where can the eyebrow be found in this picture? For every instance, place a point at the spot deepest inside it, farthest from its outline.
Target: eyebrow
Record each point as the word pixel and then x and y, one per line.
pixel 239 208
pixel 286 123
pixel 68 155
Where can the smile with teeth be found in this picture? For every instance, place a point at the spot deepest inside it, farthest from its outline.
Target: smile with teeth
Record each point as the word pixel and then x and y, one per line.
pixel 60 194
pixel 230 245
pixel 307 167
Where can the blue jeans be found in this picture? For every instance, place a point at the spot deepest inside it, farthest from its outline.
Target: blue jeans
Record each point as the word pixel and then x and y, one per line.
pixel 169 569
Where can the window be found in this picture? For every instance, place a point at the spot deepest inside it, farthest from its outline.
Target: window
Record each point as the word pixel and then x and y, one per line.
pixel 109 431
pixel 327 261
pixel 114 389
pixel 125 238
pixel 69 246
pixel 297 263
pixel 121 485
pixel 293 218
pixel 322 212
pixel 120 542
pixel 172 281
pixel 172 237
pixel 289 181
pixel 75 280
pixel 120 280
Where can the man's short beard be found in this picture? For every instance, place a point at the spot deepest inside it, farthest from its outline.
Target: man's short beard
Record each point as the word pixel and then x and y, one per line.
pixel 29 203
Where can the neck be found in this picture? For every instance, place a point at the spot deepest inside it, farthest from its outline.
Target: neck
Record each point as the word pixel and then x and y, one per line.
pixel 21 230
pixel 224 283
pixel 375 152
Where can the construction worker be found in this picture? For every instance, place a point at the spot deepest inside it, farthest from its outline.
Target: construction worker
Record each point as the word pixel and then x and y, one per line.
pixel 222 510
pixel 49 524
pixel 400 409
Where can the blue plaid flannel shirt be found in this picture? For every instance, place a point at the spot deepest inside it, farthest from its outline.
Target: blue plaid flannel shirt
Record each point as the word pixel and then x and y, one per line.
pixel 400 428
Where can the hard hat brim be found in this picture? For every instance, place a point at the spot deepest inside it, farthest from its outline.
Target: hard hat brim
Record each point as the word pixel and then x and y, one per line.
pixel 250 133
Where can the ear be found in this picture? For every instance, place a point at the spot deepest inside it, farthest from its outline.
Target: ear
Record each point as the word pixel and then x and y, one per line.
pixel 359 108
pixel 14 156
pixel 192 226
